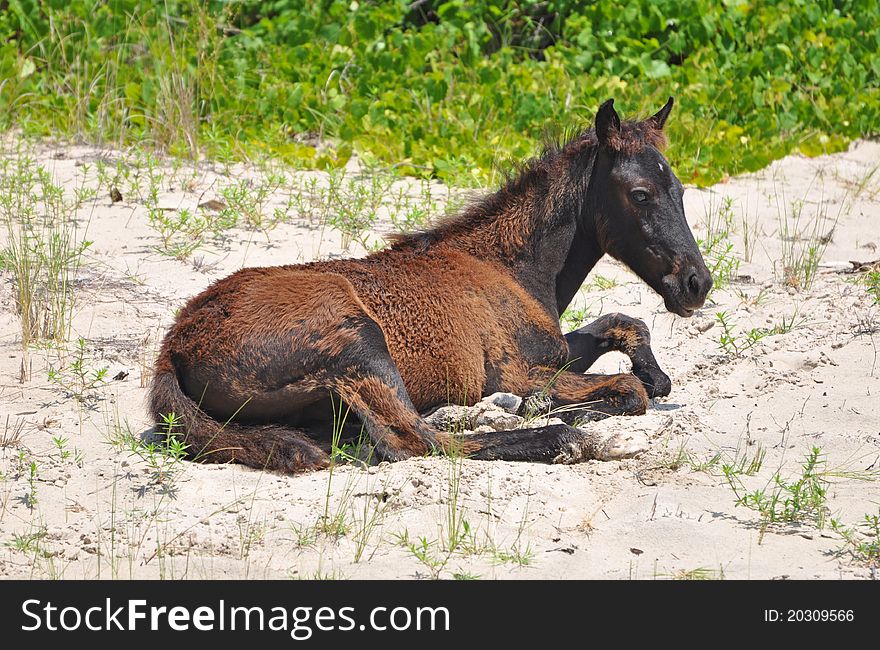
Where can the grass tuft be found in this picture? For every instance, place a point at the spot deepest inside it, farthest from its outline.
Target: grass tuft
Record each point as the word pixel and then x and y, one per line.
pixel 44 250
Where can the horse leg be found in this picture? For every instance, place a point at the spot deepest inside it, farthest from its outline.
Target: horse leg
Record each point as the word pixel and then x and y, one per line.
pixel 367 380
pixel 624 334
pixel 592 397
pixel 555 443
pixel 265 447
pixel 372 386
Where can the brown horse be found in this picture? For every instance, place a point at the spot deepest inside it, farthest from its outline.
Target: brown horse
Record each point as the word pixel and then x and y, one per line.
pixel 253 366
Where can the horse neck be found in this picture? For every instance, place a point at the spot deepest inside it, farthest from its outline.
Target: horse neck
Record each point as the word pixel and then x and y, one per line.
pixel 582 257
pixel 561 248
pixel 540 227
pixel 555 266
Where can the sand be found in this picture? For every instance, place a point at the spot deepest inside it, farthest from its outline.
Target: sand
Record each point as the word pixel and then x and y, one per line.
pixel 103 511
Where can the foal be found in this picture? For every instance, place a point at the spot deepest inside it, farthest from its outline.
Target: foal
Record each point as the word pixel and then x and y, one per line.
pixel 253 366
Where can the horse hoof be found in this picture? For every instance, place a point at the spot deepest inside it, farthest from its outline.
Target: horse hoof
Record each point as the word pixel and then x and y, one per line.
pixel 575 446
pixel 623 445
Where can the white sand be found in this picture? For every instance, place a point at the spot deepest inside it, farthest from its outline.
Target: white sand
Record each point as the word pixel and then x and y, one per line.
pixel 816 385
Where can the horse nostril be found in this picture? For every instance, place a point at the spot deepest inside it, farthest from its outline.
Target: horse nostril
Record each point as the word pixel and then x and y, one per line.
pixel 694 284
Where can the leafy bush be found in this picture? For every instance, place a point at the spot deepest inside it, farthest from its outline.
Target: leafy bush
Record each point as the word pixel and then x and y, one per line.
pixel 442 89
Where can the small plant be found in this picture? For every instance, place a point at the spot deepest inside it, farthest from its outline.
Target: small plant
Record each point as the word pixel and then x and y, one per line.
pixel 61 445
pixel 736 344
pixel 602 283
pixel 801 499
pixel 306 197
pixel 863 541
pixel 804 242
pixel 248 200
pixel 755 301
pixel 465 576
pixel 29 543
pixel 181 232
pixel 457 527
pixel 44 249
pixel 84 195
pixel 707 465
pixel 30 498
pixel 715 245
pixel 872 281
pixel 742 462
pixel 249 533
pixel 409 214
pixel 574 317
pixel 305 536
pixel 430 556
pixel 744 465
pixel 700 573
pixel 730 342
pixel 684 458
pixel 79 379
pixel 354 208
pixel 164 457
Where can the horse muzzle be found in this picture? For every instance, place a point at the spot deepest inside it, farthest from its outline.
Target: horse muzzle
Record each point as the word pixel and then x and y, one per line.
pixel 685 292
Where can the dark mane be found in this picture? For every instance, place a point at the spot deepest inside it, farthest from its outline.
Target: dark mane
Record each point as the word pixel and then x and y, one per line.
pixel 507 216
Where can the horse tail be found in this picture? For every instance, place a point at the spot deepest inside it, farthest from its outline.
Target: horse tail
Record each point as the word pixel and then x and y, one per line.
pixel 207 440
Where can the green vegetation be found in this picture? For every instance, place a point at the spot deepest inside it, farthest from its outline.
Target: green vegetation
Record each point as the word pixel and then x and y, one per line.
pixel 861 542
pixel 715 244
pixel 43 250
pixel 872 280
pixel 700 573
pixel 162 455
pixel 440 89
pixel 80 380
pixel 574 317
pixel 804 241
pixel 734 344
pixel 803 498
pixel 800 499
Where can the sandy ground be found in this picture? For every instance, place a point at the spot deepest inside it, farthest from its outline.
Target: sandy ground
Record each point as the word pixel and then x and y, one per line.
pixel 102 511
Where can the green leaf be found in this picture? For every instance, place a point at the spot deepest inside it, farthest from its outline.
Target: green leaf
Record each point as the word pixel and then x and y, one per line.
pixel 28 67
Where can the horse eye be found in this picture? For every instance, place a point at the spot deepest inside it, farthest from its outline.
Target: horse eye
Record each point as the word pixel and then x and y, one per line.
pixel 639 196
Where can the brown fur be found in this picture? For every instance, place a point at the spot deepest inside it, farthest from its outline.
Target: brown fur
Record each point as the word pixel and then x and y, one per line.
pixel 627 339
pixel 256 360
pixel 633 137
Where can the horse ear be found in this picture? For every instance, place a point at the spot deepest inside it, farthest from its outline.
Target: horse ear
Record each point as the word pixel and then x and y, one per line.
pixel 659 118
pixel 607 121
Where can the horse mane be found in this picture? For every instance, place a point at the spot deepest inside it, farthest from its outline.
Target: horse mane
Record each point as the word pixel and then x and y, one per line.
pixel 503 220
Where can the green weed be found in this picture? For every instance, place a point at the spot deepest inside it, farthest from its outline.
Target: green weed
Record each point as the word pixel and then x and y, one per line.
pixel 79 379
pixel 574 317
pixel 804 241
pixel 700 573
pixel 861 542
pixel 44 249
pixel 601 283
pixel 715 244
pixel 800 498
pixel 872 281
pixel 736 343
pixel 164 456
pixel 29 543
